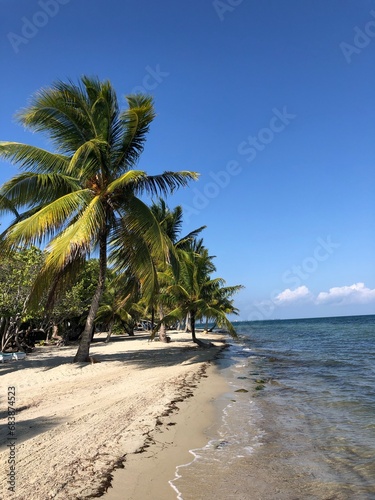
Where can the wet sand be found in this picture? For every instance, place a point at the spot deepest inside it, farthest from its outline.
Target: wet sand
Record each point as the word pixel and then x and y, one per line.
pixel 146 475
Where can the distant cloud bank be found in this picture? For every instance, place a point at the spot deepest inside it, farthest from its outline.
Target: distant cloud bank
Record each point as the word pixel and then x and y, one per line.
pixel 300 300
pixel 354 294
pixel 357 293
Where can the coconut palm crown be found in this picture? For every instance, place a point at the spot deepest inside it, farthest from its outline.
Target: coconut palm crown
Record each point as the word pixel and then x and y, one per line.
pixel 84 196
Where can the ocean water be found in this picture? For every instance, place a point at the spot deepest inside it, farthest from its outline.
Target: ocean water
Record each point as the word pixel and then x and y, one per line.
pixel 299 419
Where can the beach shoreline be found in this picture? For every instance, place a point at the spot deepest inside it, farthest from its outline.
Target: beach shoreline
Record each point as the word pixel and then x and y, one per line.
pixel 153 470
pixel 77 423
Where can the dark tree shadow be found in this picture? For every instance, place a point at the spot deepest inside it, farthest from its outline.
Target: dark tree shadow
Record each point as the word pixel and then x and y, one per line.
pixel 27 429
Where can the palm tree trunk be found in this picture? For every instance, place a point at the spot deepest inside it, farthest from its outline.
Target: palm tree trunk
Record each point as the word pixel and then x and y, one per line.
pixel 162 327
pixel 83 352
pixel 212 327
pixel 197 341
pixel 206 327
pixel 152 318
pixel 188 323
pixel 109 333
pixel 192 323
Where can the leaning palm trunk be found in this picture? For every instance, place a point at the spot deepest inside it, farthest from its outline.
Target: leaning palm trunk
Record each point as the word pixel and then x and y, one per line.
pixel 195 340
pixel 84 345
pixel 110 326
pixel 209 329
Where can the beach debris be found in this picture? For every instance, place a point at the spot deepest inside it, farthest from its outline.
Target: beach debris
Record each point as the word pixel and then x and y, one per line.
pixel 220 444
pixel 11 356
pixel 241 390
pixel 147 443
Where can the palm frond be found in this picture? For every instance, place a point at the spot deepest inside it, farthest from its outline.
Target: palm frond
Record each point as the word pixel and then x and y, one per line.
pixel 165 183
pixel 33 158
pixel 135 122
pixel 86 159
pixel 50 283
pixel 222 320
pixel 131 177
pixel 32 189
pixel 138 243
pixel 140 221
pixel 47 220
pixel 130 254
pixel 173 315
pixel 7 206
pixel 185 242
pixel 180 292
pixel 104 109
pixel 79 238
pixel 228 291
pixel 61 111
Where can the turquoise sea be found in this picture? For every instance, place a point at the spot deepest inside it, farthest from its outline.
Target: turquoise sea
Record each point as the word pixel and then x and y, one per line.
pixel 299 419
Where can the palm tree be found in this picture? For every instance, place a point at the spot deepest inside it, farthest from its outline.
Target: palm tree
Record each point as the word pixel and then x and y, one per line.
pixel 219 301
pixel 119 305
pixel 199 295
pixel 84 196
pixel 170 222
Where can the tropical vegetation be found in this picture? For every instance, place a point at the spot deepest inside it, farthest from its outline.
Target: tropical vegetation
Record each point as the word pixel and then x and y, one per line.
pixel 88 237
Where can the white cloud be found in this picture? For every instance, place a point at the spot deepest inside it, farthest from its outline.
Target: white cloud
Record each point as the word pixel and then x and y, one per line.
pixel 288 295
pixel 354 294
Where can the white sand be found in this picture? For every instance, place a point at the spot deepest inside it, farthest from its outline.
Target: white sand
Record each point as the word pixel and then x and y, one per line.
pixel 76 422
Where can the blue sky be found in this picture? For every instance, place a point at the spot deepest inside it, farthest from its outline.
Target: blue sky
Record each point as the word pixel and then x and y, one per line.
pixel 272 102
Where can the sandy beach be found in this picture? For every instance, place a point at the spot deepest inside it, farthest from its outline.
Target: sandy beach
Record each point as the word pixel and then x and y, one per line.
pixel 130 415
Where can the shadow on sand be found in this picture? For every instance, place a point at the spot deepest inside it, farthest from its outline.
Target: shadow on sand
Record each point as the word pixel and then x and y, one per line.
pixel 179 350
